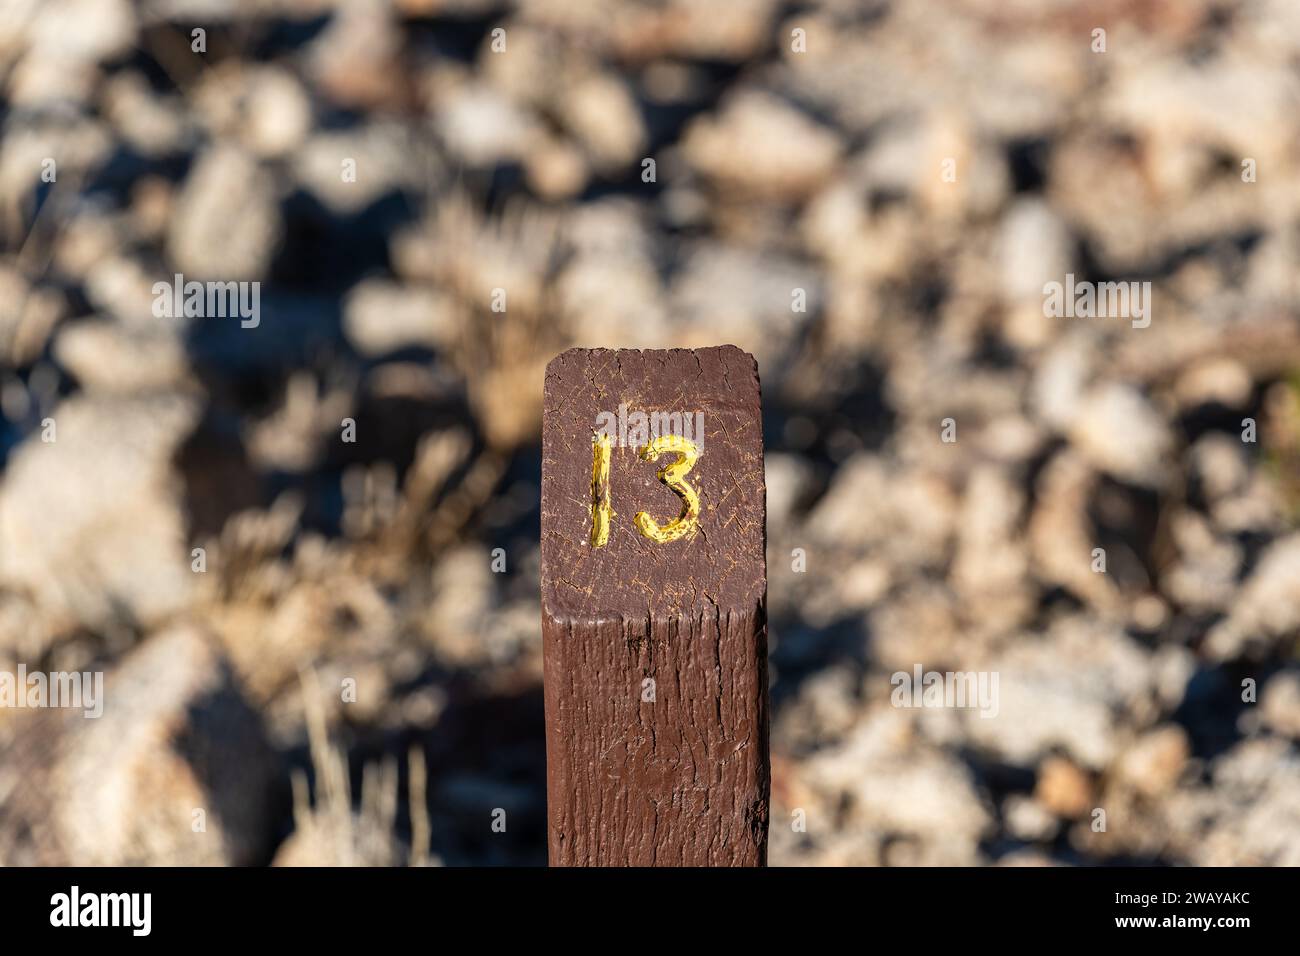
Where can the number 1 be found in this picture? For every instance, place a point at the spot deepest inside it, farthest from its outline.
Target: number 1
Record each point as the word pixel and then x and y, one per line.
pixel 601 512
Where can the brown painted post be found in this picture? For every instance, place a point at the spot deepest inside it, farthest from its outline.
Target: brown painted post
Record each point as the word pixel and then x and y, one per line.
pixel 654 599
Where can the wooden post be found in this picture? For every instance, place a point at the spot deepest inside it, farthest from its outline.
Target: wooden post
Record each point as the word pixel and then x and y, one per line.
pixel 654 601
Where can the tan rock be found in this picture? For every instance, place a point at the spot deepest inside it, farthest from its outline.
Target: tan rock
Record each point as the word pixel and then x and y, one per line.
pixel 90 523
pixel 226 223
pixel 176 771
pixel 1153 764
pixel 1063 788
pixel 758 144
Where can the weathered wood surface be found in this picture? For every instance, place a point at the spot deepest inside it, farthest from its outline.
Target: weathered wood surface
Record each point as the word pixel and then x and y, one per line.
pixel 656 639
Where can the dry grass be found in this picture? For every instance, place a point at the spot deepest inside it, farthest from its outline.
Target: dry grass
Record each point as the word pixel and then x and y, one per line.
pixel 329 830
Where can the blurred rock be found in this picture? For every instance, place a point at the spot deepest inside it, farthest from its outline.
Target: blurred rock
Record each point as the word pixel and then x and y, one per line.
pixel 90 524
pixel 1220 380
pixel 758 145
pixel 1061 534
pixel 106 358
pixel 895 789
pixel 28 314
pixel 1267 606
pixel 75 144
pixel 871 504
pixel 939 160
pixel 1072 689
pixel 920 623
pixel 1255 808
pixel 381 317
pixel 176 772
pixel 1205 577
pixel 602 114
pixel 463 586
pixel 265 106
pixel 1280 704
pixel 73 30
pixel 556 169
pixel 991 564
pixel 1027 819
pixel 1119 432
pixel 481 127
pixel 1060 382
pixel 1035 249
pixel 387 158
pixel 746 298
pixel 122 288
pixel 226 223
pixel 614 248
pixel 1220 466
pixel 729 30
pixel 153 125
pixel 1063 788
pixel 40 82
pixel 357 59
pixel 1153 764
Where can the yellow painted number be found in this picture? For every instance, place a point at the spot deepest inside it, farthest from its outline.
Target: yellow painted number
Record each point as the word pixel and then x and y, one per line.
pixel 673 475
pixel 601 512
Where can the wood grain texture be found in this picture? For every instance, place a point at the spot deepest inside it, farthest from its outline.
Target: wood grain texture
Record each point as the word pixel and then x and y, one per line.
pixel 682 778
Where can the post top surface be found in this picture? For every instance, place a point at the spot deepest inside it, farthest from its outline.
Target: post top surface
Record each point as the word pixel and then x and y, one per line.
pixel 707 401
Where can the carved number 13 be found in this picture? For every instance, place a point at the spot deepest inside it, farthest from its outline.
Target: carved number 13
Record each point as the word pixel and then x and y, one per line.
pixel 673 475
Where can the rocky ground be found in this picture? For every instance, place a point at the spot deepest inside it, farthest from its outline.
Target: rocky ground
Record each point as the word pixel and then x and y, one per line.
pixel 909 173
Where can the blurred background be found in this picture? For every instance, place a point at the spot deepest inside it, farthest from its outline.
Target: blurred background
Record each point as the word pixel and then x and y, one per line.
pixel 315 652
